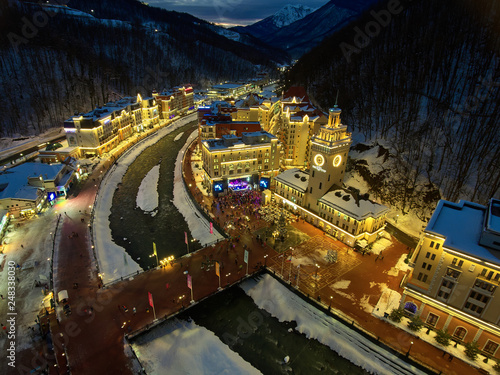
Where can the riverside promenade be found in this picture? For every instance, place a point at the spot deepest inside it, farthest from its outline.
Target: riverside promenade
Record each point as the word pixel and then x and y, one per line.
pixel 92 339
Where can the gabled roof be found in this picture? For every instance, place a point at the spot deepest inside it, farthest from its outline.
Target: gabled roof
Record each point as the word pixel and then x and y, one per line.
pixel 295 178
pixel 298 92
pixel 348 203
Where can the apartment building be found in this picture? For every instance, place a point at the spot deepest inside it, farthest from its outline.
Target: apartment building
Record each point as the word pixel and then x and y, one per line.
pixel 456 272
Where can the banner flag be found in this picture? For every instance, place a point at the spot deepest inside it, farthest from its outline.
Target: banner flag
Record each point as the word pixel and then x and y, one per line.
pixel 211 228
pixel 246 257
pixel 167 285
pixel 154 249
pixel 190 285
pixel 217 269
pixel 186 238
pixel 151 300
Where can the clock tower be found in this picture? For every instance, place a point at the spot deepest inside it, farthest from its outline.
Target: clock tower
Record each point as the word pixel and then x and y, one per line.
pixel 329 149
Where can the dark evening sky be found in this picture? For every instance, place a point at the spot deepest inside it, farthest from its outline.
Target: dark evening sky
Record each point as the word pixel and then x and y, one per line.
pixel 239 12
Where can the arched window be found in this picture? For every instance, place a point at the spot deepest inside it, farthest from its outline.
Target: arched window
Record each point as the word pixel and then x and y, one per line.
pixel 460 333
pixel 411 307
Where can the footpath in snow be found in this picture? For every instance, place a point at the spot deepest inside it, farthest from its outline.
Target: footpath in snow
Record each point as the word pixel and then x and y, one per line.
pixel 180 347
pixel 268 294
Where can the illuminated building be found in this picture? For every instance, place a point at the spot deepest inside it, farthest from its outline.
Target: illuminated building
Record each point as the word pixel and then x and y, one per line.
pixel 103 128
pixel 237 163
pixel 317 196
pixel 174 102
pixel 229 89
pixel 456 271
pixel 25 188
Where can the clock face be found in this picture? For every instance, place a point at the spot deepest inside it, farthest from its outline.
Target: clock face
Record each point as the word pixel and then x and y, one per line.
pixel 337 160
pixel 319 160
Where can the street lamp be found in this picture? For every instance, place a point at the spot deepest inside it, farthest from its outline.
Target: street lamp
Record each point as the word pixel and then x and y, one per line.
pixel 408 352
pixel 316 273
pixel 154 256
pixel 330 306
pixel 265 260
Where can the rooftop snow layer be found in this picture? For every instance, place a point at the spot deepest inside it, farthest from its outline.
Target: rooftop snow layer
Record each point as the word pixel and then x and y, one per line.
pixel 461 224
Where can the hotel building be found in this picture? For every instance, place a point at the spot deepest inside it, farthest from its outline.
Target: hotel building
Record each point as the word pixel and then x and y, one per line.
pixel 236 163
pixel 103 128
pixel 317 194
pixel 175 102
pixel 456 272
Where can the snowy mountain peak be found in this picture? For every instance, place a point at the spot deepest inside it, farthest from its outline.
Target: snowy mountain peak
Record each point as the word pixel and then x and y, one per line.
pixel 289 14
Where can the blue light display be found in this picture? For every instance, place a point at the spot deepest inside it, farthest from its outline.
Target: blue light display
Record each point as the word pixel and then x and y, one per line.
pixel 264 183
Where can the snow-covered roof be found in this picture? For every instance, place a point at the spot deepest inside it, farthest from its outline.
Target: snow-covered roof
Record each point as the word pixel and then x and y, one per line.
pixel 231 141
pixel 228 86
pixel 14 181
pixel 359 209
pixel 461 225
pixel 294 178
pixel 493 219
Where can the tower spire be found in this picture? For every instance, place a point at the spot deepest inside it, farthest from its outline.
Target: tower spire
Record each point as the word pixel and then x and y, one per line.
pixel 336 99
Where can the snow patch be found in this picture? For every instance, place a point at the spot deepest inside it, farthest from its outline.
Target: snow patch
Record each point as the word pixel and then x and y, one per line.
pixel 147 196
pixel 180 347
pixel 273 297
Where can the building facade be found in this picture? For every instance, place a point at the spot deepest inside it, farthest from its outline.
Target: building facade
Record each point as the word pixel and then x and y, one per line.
pixel 317 194
pixel 238 163
pixel 103 128
pixel 175 102
pixel 456 272
pixel 25 189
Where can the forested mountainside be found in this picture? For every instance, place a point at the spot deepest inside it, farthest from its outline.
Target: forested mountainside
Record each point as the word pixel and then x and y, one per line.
pixel 269 25
pixel 57 60
pixel 302 35
pixel 421 79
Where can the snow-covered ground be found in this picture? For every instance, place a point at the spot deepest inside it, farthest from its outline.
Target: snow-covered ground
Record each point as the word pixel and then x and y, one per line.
pixel 114 262
pixel 273 297
pixel 180 347
pixel 36 237
pixel 146 199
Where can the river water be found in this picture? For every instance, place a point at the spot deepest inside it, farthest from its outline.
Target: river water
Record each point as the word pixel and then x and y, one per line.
pixel 262 340
pixel 135 230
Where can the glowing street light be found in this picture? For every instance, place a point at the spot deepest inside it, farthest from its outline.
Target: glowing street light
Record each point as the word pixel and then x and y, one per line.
pixel 408 352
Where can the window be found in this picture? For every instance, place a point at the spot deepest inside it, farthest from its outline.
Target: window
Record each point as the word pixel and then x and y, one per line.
pixel 429 266
pixel 490 347
pixel 484 285
pixel 424 265
pixel 433 256
pixel 424 279
pixel 432 244
pixel 427 255
pixel 419 277
pixel 457 262
pixel 460 333
pixel 432 319
pixel 437 246
pixel 450 272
